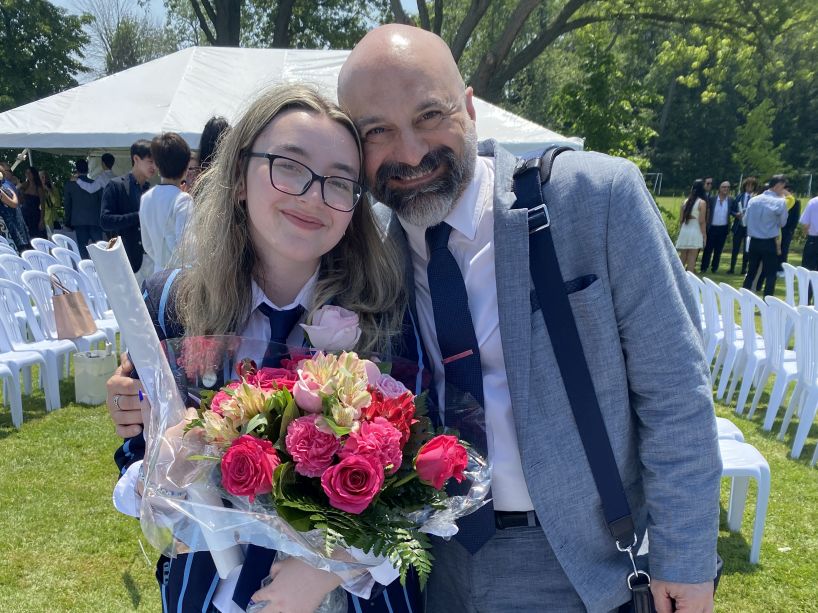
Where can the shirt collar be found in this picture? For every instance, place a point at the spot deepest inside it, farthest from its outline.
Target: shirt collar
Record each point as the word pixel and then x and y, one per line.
pixel 304 297
pixel 467 213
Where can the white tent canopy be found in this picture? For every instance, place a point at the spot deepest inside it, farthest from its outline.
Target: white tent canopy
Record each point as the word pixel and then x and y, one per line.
pixel 181 91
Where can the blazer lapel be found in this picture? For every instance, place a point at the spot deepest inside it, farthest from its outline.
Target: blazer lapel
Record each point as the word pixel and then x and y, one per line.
pixel 512 278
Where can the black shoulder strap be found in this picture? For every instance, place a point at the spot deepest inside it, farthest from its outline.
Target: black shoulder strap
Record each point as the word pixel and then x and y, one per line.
pixel 529 178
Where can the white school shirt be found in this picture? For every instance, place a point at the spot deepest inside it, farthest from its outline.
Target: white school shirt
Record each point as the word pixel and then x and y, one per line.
pixel 99 183
pixel 472 245
pixel 163 214
pixel 127 501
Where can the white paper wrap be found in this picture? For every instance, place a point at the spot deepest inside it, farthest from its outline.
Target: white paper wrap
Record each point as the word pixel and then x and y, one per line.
pixel 138 335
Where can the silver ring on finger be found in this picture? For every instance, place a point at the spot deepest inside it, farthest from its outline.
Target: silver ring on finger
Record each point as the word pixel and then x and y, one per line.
pixel 255 607
pixel 116 401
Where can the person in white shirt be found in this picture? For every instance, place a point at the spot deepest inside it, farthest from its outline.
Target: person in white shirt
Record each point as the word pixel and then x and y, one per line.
pixel 103 178
pixel 718 219
pixel 164 208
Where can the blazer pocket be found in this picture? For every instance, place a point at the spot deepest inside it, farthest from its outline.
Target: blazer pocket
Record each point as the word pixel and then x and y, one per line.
pixel 571 287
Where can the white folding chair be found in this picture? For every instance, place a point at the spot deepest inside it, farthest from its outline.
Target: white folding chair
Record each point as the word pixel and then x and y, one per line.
pixel 742 462
pixel 66 242
pixel 13 297
pixel 727 429
pixel 39 260
pixel 6 248
pixel 753 352
pixel 14 265
pixel 713 333
pixel 76 282
pixel 17 362
pixel 802 275
pixel 42 244
pixel 66 257
pixel 781 362
pixel 89 269
pixel 805 395
pixel 733 338
pixel 813 283
pixel 39 284
pixel 789 283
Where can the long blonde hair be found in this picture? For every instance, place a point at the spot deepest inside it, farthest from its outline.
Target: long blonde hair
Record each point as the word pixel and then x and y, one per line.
pixel 361 273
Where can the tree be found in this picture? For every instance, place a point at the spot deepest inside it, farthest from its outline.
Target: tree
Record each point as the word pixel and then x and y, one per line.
pixel 219 20
pixel 754 150
pixel 42 50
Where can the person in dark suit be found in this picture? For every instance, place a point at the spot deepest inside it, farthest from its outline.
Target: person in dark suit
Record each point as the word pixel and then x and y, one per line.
pixel 273 244
pixel 793 214
pixel 120 202
pixel 718 224
pixel 748 190
pixel 82 209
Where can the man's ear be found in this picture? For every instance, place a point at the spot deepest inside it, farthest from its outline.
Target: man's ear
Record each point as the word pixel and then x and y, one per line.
pixel 470 103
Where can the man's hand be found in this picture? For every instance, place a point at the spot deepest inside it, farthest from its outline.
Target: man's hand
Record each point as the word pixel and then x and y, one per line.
pixel 126 412
pixel 296 587
pixel 688 597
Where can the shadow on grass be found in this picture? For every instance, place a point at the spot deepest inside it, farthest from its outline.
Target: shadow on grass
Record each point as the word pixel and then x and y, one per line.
pixel 132 588
pixel 735 551
pixel 34 406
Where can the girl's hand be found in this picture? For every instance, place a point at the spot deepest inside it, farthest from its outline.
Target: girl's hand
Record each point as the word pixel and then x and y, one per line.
pixel 296 587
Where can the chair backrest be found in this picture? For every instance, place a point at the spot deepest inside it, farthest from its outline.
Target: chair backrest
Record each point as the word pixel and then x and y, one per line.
pixel 695 284
pixel 75 282
pixel 779 315
pixel 13 298
pixel 88 269
pixel 789 283
pixel 808 344
pixel 813 281
pixel 14 265
pixel 749 303
pixel 710 293
pixel 66 257
pixel 39 284
pixel 6 248
pixel 729 297
pixel 42 244
pixel 38 260
pixel 802 274
pixel 66 242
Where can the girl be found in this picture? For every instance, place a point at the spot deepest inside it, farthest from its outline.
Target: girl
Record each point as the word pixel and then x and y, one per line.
pixel 693 230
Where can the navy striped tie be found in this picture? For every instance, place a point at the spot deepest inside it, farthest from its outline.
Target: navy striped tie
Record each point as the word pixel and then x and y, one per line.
pixel 281 324
pixel 461 366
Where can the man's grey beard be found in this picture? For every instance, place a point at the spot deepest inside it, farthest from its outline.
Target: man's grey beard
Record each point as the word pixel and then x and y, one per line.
pixel 428 205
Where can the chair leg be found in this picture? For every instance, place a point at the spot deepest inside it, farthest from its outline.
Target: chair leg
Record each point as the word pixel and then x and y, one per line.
pixel 27 380
pixel 776 398
pixel 805 423
pixel 794 399
pixel 738 368
pixel 11 391
pixel 738 498
pixel 726 372
pixel 762 383
pixel 746 384
pixel 761 513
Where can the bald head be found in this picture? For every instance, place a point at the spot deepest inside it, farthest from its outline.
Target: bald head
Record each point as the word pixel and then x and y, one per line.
pixel 397 48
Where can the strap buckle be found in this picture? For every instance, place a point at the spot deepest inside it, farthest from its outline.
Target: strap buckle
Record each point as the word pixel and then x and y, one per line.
pixel 538 218
pixel 526 165
pixel 636 574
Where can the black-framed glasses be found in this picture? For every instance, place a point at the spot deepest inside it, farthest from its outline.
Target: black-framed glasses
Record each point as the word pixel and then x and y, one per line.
pixel 294 178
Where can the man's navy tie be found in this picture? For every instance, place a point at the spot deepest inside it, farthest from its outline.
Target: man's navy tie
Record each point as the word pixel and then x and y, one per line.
pixel 281 324
pixel 258 560
pixel 461 366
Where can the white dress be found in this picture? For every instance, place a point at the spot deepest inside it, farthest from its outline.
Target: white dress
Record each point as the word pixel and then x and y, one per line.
pixel 690 234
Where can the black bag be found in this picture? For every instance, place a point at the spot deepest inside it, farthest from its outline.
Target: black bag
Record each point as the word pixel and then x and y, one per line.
pixel 552 295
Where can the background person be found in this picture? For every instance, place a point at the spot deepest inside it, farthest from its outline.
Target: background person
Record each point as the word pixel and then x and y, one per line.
pixel 11 212
pixel 51 204
pixel 82 209
pixel 809 223
pixel 793 214
pixel 766 215
pixel 103 178
pixel 34 195
pixel 692 231
pixel 718 225
pixel 164 209
pixel 748 189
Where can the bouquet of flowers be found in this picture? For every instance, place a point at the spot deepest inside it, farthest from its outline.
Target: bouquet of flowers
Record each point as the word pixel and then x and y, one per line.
pixel 323 455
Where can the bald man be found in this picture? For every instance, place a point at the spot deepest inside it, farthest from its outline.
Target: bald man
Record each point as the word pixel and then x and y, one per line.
pixel 548 548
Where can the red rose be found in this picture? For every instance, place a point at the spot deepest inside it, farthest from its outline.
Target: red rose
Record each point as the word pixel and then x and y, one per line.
pixel 351 484
pixel 247 467
pixel 312 449
pixel 399 411
pixel 378 440
pixel 440 459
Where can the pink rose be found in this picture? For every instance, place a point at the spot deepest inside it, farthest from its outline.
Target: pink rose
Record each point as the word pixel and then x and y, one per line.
pixel 440 459
pixel 306 393
pixel 389 387
pixel 351 484
pixel 247 467
pixel 270 378
pixel 333 329
pixel 379 440
pixel 312 449
pixel 222 397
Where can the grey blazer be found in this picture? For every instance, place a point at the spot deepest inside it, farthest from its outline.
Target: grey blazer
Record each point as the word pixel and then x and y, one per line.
pixel 638 326
pixel 81 208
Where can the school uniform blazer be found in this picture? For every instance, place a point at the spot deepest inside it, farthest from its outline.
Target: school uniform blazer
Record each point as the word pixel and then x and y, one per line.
pixel 638 327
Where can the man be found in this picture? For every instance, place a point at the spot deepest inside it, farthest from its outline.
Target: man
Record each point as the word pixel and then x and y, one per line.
pixel 766 215
pixel 748 188
pixel 809 223
pixel 416 117
pixel 793 214
pixel 164 209
pixel 82 208
pixel 402 87
pixel 103 178
pixel 120 203
pixel 718 220
pixel 708 187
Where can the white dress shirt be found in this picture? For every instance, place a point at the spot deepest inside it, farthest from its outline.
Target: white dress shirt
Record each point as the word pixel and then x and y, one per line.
pixel 101 180
pixel 472 245
pixel 163 213
pixel 720 212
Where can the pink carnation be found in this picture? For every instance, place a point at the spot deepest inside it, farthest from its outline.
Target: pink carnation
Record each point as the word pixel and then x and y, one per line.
pixel 312 449
pixel 379 440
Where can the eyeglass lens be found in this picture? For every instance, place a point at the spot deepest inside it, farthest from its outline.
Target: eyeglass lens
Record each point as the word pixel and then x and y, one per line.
pixel 295 178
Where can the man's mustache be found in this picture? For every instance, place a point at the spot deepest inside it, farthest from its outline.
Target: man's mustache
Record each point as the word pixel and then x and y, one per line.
pixel 429 162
